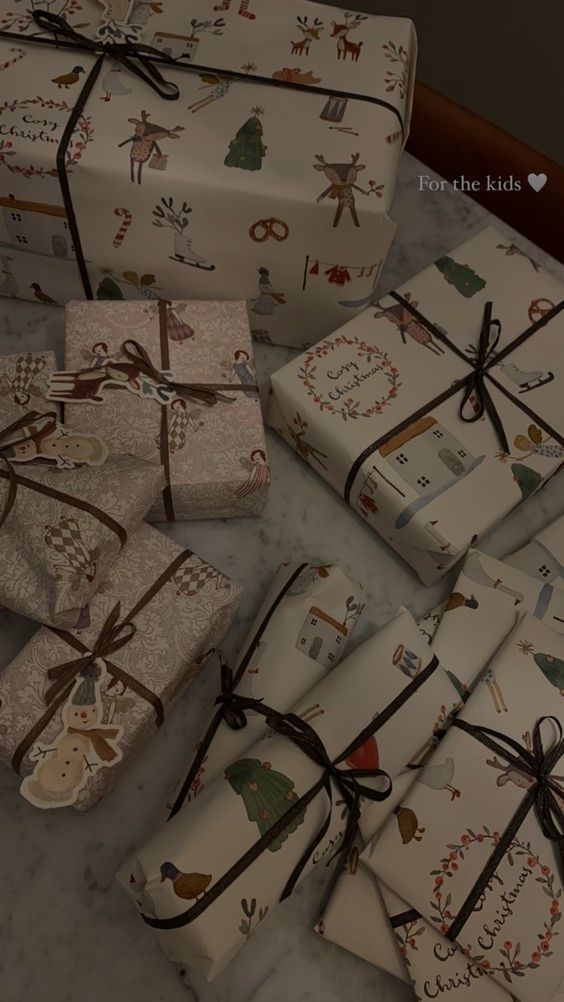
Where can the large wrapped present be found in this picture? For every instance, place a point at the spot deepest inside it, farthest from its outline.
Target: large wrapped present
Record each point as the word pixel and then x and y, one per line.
pixel 77 705
pixel 66 511
pixel 301 631
pixel 439 411
pixel 24 381
pixel 488 871
pixel 543 555
pixel 270 180
pixel 173 383
pixel 256 831
pixel 488 598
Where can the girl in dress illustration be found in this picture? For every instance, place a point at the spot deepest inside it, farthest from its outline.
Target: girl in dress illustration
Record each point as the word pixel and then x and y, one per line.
pixel 247 150
pixel 267 299
pixel 241 370
pixel 259 473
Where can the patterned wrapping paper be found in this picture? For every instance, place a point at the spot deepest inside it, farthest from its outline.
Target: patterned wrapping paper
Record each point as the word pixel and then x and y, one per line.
pixel 275 189
pixel 24 380
pixel 357 408
pixel 249 800
pixel 65 529
pixel 304 624
pixel 543 555
pixel 509 929
pixel 213 457
pixel 106 710
pixel 488 598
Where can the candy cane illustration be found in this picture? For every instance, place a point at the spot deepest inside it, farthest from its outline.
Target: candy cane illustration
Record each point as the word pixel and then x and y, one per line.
pixel 15 59
pixel 127 220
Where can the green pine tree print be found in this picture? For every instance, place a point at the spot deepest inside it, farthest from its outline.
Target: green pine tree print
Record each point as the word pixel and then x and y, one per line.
pixel 462 276
pixel 267 795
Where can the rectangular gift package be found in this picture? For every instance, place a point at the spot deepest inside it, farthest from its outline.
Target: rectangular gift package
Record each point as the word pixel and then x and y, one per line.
pixel 24 381
pixel 270 179
pixel 62 526
pixel 301 631
pixel 210 442
pixel 378 407
pixel 77 705
pixel 487 872
pixel 251 801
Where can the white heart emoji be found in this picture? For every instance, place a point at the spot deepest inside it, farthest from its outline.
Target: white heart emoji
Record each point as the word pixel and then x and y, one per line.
pixel 537 181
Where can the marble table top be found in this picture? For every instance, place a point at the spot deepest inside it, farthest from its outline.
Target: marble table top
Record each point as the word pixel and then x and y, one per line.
pixel 67 931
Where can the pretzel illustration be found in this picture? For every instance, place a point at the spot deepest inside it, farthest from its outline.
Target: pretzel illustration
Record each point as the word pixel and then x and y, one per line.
pixel 265 228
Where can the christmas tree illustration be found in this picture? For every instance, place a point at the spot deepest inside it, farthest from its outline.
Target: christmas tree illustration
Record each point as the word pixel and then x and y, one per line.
pixel 462 276
pixel 267 795
pixel 247 150
pixel 526 479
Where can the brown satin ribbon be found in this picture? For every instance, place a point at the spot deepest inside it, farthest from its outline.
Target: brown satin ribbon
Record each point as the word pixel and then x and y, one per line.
pixel 207 394
pixel 15 480
pixel 112 637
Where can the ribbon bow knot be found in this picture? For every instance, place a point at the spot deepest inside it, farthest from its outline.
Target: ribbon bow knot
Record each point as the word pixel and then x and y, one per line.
pixel 232 705
pixel 475 384
pixel 136 57
pixel 207 394
pixel 112 637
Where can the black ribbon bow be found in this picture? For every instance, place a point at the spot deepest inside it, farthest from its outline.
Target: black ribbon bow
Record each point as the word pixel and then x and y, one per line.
pixel 545 795
pixel 476 382
pixel 136 57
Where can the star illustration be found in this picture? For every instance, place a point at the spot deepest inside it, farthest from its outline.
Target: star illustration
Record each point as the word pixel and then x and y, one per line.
pixel 525 646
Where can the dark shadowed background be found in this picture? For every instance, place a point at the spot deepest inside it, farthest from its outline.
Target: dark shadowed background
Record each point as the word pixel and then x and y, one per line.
pixel 502 59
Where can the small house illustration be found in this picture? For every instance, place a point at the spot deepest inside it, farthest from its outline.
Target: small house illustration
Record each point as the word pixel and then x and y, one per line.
pixel 174 45
pixel 430 459
pixel 536 559
pixel 36 227
pixel 321 637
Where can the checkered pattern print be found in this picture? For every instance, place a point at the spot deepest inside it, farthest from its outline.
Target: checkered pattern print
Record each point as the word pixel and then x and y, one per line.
pixel 177 428
pixel 26 369
pixel 191 578
pixel 64 537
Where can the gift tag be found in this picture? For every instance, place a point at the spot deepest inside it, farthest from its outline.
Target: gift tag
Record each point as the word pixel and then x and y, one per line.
pixel 91 385
pixel 45 439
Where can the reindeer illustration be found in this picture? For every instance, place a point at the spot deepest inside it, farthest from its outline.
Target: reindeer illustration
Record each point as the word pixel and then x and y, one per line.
pixel 342 186
pixel 407 325
pixel 144 142
pixel 310 33
pixel 341 31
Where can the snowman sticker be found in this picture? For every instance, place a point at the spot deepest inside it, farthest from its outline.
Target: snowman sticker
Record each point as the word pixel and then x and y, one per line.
pixel 84 746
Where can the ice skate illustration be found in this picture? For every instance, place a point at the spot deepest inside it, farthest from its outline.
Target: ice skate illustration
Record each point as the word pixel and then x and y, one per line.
pixel 526 381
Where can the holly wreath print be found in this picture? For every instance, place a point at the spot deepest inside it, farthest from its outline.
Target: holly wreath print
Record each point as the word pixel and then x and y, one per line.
pixel 514 963
pixel 347 407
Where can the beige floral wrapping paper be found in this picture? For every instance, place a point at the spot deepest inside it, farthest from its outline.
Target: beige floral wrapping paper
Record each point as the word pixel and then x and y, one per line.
pixel 175 633
pixel 512 930
pixel 56 551
pixel 24 382
pixel 301 632
pixel 191 853
pixel 487 600
pixel 375 407
pixel 214 457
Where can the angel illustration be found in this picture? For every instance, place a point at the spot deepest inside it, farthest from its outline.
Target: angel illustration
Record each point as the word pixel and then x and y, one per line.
pixel 241 370
pixel 533 444
pixel 259 473
pixel 217 87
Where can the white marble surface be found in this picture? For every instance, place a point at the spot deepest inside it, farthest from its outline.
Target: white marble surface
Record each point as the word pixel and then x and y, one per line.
pixel 67 932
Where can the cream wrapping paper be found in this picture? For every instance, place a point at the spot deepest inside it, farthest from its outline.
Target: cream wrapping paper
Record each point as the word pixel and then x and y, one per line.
pixel 275 189
pixel 301 632
pixel 71 744
pixel 24 381
pixel 374 408
pixel 213 456
pixel 466 639
pixel 247 802
pixel 65 529
pixel 509 929
pixel 543 555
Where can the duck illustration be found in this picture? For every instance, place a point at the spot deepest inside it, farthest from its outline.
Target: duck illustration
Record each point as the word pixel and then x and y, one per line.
pixel 552 669
pixel 439 777
pixel 457 601
pixel 42 296
pixel 186 885
pixel 474 571
pixel 408 825
pixel 67 79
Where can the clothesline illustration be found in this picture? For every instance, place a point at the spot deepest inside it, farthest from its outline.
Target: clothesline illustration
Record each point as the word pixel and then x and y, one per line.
pixel 340 274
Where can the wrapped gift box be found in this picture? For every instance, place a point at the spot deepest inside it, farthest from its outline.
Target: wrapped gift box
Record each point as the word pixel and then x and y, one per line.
pixel 374 408
pixel 271 179
pixel 77 705
pixel 211 444
pixel 543 555
pixel 24 381
pixel 488 598
pixel 484 873
pixel 62 525
pixel 252 800
pixel 301 631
